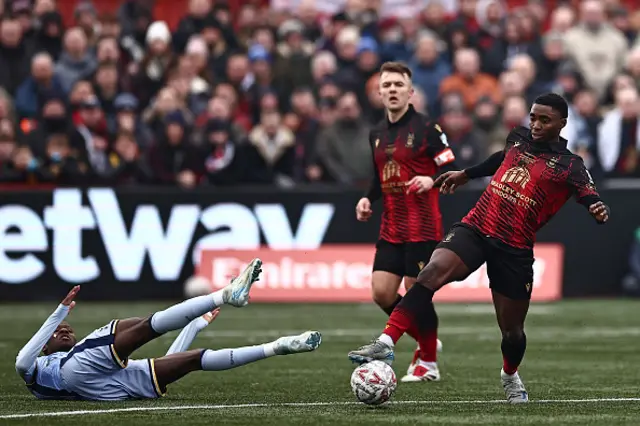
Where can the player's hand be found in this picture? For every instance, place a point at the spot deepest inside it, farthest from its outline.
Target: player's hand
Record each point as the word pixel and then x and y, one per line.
pixel 363 209
pixel 419 184
pixel 599 211
pixel 448 182
pixel 68 300
pixel 210 316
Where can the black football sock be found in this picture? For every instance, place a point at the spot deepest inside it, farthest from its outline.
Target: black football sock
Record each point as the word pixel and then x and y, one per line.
pixel 513 349
pixel 389 309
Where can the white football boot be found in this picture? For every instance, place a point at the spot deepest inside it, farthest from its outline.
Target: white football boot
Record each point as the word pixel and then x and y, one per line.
pixel 428 372
pixel 237 292
pixel 514 388
pixel 305 342
pixel 374 351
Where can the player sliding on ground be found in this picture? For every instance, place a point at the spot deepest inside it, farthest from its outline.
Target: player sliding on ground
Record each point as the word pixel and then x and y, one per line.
pixel 98 368
pixel 533 177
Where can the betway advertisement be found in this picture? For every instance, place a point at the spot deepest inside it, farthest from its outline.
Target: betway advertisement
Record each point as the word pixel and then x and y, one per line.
pixel 143 243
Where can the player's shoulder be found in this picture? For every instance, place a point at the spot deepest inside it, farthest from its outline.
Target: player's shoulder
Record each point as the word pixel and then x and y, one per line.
pixel 378 128
pixel 518 134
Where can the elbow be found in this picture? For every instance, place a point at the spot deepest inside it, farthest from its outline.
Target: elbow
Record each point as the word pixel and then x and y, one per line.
pixel 22 365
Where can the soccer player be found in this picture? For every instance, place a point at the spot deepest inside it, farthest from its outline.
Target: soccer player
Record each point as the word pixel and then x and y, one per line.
pixel 98 368
pixel 533 177
pixel 408 150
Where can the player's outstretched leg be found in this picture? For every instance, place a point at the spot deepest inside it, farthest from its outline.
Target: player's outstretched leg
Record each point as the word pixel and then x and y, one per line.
pixel 132 333
pixel 170 368
pixel 511 315
pixel 415 311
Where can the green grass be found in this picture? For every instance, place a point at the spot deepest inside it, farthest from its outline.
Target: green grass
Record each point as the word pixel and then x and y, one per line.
pixel 576 350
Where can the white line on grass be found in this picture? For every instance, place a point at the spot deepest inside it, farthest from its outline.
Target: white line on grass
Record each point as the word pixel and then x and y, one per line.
pixel 301 405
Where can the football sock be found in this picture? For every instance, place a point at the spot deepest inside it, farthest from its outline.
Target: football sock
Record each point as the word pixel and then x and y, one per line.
pixel 512 352
pixel 414 314
pixel 178 316
pixel 226 359
pixel 389 309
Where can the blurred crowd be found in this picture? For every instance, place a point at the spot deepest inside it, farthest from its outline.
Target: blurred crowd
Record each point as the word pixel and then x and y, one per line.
pixel 285 93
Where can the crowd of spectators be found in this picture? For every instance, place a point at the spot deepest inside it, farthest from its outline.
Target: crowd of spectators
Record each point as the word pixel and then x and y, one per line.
pixel 286 93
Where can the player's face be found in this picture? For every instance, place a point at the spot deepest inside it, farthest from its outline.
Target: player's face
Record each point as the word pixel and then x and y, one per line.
pixel 63 339
pixel 396 90
pixel 545 123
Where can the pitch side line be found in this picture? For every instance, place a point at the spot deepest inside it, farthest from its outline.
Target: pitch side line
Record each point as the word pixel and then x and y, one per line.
pixel 299 404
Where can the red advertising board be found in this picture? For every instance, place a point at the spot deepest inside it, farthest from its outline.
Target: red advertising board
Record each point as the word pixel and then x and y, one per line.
pixel 342 273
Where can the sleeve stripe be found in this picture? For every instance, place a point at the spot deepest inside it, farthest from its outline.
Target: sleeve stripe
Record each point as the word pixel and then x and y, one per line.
pixel 444 157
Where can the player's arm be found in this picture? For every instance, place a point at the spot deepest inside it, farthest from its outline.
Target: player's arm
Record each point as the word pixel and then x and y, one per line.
pixel 26 359
pixel 186 336
pixel 363 208
pixel 585 191
pixel 374 192
pixel 440 152
pixel 449 181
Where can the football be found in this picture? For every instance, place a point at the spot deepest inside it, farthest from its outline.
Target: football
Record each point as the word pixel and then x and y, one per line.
pixel 373 383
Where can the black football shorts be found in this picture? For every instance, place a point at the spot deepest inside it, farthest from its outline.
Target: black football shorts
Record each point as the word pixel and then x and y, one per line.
pixel 403 259
pixel 510 269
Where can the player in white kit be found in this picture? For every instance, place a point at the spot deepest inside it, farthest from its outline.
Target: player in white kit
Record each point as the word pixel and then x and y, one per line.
pixel 98 367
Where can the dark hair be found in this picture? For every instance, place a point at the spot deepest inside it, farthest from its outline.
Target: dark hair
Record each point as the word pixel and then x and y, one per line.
pixel 555 101
pixel 398 67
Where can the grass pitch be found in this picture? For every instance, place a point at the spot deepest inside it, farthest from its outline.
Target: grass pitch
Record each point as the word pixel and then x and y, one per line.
pixel 581 365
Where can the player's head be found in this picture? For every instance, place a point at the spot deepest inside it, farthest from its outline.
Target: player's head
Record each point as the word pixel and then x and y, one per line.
pixel 548 116
pixel 395 86
pixel 62 340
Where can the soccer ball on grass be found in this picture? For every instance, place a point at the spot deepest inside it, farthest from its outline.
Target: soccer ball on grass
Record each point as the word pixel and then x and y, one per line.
pixel 373 383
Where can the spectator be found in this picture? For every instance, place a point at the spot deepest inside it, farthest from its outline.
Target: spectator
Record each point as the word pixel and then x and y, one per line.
pixel 343 148
pixel 596 47
pixel 619 136
pixel 458 127
pixel 86 18
pixel 468 80
pixel 49 37
pixel 40 84
pixel 429 69
pixel 275 146
pixel 172 159
pixel 14 55
pixel 76 61
pixel 150 75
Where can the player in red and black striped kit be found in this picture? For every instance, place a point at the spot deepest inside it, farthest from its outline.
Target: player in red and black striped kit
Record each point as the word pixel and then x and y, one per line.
pixel 533 177
pixel 409 150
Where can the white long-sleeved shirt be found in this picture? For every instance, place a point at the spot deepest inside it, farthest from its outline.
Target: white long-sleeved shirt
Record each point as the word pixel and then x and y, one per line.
pixel 42 374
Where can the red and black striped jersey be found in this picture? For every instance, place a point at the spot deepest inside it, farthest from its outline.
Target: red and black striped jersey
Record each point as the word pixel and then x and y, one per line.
pixel 412 146
pixel 533 182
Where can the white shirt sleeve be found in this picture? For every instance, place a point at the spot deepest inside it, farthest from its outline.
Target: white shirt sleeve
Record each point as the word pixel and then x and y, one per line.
pixel 186 336
pixel 26 359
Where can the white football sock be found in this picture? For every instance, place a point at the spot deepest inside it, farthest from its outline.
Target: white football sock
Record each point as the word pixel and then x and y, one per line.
pixel 385 338
pixel 225 359
pixel 177 316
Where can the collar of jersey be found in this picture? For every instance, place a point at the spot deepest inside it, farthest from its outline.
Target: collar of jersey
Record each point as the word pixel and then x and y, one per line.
pixel 404 119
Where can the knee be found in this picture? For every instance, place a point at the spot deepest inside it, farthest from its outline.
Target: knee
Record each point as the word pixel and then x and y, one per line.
pixel 383 297
pixel 433 276
pixel 513 334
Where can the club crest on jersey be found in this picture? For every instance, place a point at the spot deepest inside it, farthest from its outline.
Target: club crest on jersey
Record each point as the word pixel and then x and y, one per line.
pixel 410 139
pixel 391 169
pixel 517 175
pixel 552 162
